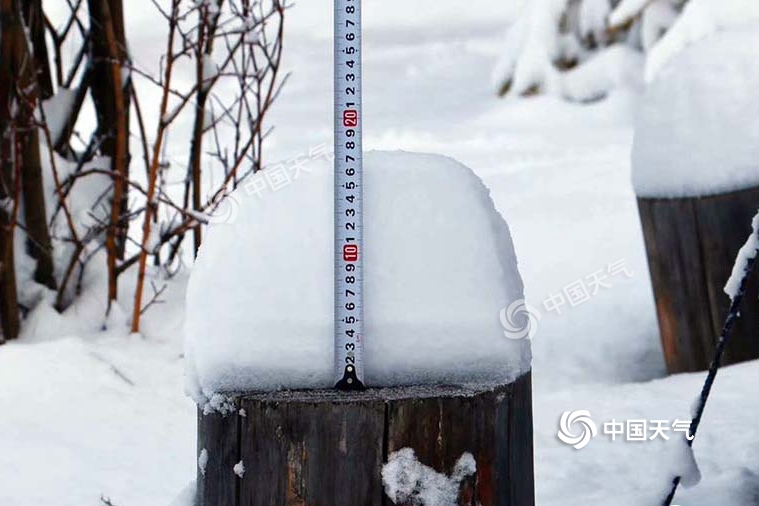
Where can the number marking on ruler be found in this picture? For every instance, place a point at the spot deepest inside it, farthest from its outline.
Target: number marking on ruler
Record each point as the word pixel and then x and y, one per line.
pixel 349 272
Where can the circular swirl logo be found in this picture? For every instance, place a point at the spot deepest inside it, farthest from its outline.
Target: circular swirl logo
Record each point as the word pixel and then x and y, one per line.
pixel 517 326
pixel 224 209
pixel 583 419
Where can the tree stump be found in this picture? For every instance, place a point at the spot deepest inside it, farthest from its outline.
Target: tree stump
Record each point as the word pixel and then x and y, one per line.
pixel 691 245
pixel 327 448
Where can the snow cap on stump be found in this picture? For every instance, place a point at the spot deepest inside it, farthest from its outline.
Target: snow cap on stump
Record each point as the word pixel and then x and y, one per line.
pixel 439 267
pixel 698 130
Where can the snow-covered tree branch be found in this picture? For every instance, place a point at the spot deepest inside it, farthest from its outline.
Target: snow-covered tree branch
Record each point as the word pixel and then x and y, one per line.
pixel 583 49
pixel 75 109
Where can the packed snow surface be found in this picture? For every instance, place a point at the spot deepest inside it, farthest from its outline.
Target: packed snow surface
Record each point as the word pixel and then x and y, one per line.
pixel 698 129
pixel 440 266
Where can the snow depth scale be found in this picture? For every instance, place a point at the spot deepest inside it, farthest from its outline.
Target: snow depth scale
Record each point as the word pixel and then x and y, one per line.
pixel 349 308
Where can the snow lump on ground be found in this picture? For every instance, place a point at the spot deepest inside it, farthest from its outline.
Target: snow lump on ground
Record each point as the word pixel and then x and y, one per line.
pixel 439 267
pixel 698 130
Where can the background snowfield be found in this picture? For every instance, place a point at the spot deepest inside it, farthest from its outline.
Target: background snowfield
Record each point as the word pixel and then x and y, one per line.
pixel 91 414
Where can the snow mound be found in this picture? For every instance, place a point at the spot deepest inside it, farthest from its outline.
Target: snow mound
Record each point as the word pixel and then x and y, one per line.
pixel 439 267
pixel 698 129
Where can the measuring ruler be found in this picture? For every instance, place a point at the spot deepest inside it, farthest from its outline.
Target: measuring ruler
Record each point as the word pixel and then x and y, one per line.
pixel 349 270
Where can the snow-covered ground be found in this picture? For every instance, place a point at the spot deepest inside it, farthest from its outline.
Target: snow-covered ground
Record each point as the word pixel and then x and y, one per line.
pixel 88 414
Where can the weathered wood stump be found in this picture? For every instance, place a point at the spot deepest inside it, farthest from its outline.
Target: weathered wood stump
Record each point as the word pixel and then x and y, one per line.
pixel 327 448
pixel 691 245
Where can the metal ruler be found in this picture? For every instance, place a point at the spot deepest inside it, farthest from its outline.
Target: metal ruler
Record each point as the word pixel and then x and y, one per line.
pixel 349 271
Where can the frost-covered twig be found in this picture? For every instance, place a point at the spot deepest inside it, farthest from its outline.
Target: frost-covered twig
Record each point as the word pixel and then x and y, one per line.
pixel 156 298
pixel 154 167
pixel 106 501
pixel 251 64
pixel 237 45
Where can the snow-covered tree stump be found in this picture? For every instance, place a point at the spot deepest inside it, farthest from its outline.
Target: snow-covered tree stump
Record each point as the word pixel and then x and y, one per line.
pixel 694 161
pixel 328 448
pixel 441 272
pixel 691 245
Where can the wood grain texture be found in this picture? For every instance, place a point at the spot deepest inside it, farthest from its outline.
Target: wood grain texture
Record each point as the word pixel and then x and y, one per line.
pixel 691 245
pixel 219 435
pixel 304 452
pixel 324 448
pixel 725 223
